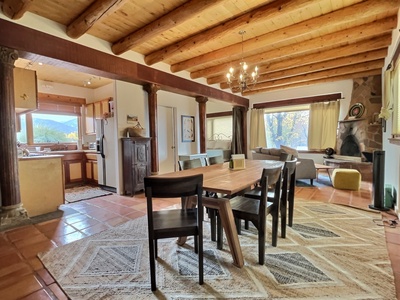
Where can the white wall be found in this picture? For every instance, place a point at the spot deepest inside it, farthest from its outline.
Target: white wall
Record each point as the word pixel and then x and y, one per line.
pixel 184 106
pixel 392 152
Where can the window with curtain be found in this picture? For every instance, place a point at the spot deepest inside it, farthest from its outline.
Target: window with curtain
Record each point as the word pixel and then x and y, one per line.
pixel 287 126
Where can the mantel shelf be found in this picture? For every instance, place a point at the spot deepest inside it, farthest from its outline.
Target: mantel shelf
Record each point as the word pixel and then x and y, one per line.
pixel 352 120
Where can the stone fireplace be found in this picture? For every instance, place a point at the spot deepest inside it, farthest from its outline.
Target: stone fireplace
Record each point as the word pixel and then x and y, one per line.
pixel 356 135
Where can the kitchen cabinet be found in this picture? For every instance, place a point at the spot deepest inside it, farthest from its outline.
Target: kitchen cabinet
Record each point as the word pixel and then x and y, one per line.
pixel 97 110
pixel 74 167
pixel 89 121
pixel 91 168
pixel 136 163
pixel 25 90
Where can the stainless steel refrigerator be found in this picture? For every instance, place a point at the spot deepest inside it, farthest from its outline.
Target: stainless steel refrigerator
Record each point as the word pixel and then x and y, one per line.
pixel 106 145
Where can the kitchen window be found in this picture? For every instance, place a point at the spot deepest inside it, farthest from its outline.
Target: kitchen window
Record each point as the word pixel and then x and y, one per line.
pixel 48 128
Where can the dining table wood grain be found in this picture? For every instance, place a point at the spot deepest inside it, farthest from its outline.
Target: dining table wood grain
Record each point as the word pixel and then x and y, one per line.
pixel 219 178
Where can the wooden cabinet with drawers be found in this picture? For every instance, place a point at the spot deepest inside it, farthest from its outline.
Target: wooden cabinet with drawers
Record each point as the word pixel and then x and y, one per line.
pixel 136 163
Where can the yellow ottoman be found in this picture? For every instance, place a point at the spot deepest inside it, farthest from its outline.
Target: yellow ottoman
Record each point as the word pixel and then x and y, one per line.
pixel 346 179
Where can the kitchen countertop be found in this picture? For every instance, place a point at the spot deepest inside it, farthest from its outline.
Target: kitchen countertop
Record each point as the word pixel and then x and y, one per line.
pixel 39 157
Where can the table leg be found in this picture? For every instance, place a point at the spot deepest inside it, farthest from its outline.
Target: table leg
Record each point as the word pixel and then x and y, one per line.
pixel 228 223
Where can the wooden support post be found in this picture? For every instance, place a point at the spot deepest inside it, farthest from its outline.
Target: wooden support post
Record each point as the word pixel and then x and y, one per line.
pixel 11 207
pixel 152 89
pixel 202 122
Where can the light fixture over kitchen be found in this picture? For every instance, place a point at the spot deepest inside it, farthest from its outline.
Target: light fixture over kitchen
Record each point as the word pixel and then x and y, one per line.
pixel 240 81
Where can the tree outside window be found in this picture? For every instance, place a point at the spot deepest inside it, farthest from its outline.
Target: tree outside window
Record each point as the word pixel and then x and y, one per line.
pixel 289 128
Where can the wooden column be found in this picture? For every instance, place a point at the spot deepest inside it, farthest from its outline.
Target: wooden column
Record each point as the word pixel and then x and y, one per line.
pixel 202 122
pixel 244 126
pixel 10 197
pixel 151 90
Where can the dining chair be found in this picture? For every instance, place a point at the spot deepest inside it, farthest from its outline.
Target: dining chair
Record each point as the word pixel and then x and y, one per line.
pixel 174 222
pixel 189 164
pixel 287 194
pixel 287 197
pixel 256 210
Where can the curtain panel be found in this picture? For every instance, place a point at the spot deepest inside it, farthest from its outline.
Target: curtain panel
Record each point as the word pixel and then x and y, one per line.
pixel 257 128
pixel 237 131
pixel 322 126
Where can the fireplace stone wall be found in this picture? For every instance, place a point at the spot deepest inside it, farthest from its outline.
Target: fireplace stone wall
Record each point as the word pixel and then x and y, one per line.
pixel 356 135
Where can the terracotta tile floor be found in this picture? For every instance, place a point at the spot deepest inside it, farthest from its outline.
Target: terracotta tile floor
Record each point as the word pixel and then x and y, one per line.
pixel 22 275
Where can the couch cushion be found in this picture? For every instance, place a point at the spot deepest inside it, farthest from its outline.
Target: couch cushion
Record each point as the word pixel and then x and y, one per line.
pixel 293 152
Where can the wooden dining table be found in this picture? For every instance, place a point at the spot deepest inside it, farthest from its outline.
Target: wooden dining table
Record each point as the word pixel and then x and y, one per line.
pixel 219 178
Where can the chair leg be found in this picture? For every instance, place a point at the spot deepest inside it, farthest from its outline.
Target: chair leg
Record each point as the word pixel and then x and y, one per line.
pixel 311 181
pixel 155 249
pixel 212 216
pixel 275 230
pixel 283 218
pixel 219 233
pixel 152 257
pixel 201 259
pixel 238 223
pixel 261 245
pixel 246 225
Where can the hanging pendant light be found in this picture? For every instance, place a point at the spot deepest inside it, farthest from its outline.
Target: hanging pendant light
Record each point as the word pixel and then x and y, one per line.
pixel 242 81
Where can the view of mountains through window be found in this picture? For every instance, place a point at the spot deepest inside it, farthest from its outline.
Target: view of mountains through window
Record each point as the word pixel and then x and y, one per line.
pixel 50 128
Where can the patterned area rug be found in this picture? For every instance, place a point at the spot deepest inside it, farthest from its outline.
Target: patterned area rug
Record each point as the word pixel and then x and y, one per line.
pixel 83 193
pixel 331 252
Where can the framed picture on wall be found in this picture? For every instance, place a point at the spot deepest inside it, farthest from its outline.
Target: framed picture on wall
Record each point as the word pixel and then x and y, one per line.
pixel 187 128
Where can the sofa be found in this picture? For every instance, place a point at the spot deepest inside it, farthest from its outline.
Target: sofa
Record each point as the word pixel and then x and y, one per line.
pixel 305 168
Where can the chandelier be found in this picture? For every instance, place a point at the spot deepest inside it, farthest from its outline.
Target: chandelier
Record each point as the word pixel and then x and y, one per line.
pixel 243 80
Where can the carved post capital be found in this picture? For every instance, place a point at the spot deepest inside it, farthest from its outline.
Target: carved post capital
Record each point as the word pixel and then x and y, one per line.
pixel 151 88
pixel 201 99
pixel 8 56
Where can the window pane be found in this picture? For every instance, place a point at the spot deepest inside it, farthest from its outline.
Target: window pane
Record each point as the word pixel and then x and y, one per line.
pixel 49 128
pixel 221 126
pixel 287 128
pixel 21 136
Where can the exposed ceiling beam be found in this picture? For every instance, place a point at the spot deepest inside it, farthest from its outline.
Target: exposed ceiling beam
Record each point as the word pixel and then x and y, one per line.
pixel 168 21
pixel 321 66
pixel 334 39
pixel 317 81
pixel 291 33
pixel 95 13
pixel 270 11
pixel 29 43
pixel 15 9
pixel 359 48
pixel 356 68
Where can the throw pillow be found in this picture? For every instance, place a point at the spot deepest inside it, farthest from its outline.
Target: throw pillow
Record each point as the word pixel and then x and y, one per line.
pixel 257 149
pixel 291 151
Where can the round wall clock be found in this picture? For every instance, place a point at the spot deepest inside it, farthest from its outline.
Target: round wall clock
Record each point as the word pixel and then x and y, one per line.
pixel 356 110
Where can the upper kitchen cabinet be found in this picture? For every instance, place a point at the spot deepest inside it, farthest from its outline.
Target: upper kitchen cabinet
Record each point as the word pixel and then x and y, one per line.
pixel 89 113
pixel 25 90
